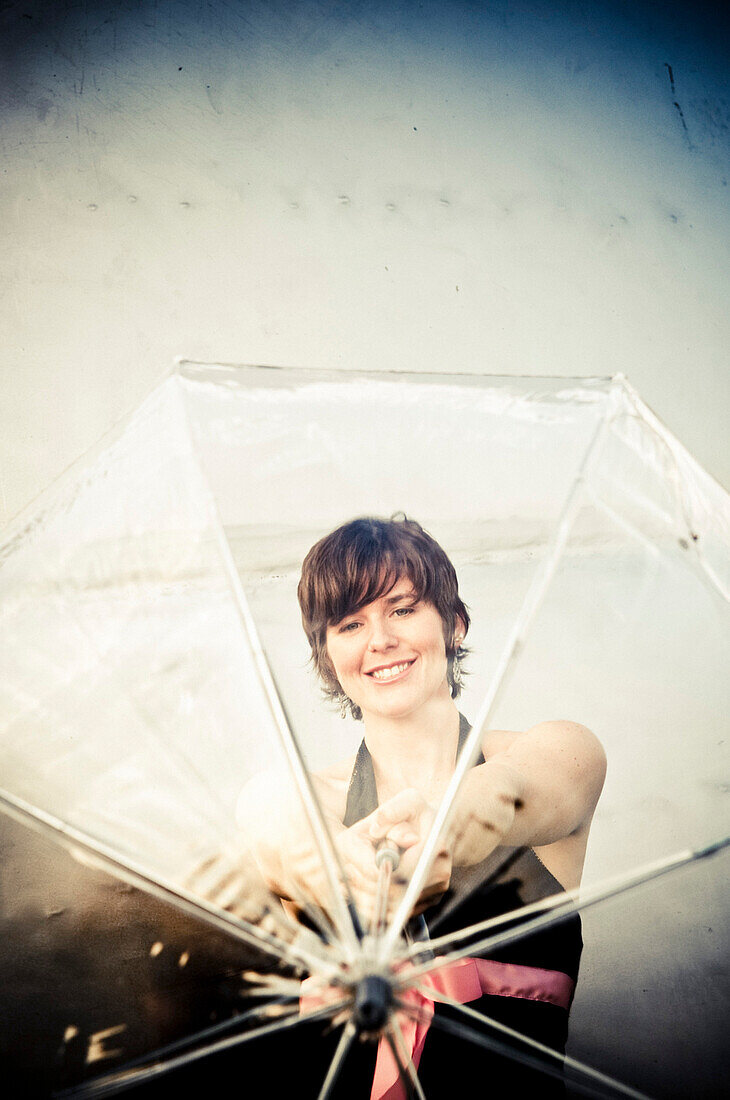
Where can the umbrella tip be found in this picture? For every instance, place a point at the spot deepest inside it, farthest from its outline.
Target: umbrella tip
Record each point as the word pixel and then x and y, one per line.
pixel 714 848
pixel 373 1002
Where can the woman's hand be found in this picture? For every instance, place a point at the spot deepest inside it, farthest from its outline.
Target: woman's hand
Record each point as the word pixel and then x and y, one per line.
pixel 281 842
pixel 405 820
pixel 229 879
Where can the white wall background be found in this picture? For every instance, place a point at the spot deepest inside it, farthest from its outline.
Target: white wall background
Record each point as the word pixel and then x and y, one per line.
pixel 497 187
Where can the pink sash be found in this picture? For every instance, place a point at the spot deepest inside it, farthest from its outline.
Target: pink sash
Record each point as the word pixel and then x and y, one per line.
pixel 463 981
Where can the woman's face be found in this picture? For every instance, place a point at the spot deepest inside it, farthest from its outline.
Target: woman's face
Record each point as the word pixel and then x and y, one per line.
pixel 390 656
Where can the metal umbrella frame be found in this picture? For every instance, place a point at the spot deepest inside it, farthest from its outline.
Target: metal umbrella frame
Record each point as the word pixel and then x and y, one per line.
pixel 362 974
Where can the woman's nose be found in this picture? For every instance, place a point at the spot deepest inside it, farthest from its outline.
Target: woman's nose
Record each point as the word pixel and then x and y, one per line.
pixel 381 635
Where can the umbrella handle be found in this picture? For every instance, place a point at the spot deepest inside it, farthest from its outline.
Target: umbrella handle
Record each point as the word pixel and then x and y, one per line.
pixel 387 859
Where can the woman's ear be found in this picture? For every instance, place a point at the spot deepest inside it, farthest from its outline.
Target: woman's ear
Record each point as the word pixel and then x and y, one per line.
pixel 459 632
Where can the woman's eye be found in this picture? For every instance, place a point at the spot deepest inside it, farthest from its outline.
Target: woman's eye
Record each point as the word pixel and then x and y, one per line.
pixel 347 628
pixel 402 611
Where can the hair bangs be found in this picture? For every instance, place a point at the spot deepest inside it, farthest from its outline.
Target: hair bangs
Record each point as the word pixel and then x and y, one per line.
pixel 369 573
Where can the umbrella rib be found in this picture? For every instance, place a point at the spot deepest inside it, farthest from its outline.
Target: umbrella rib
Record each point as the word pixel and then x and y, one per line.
pixel 184 765
pixel 320 920
pixel 269 984
pixel 326 930
pixel 121 1080
pixel 100 856
pixel 343 913
pixel 673 448
pixel 553 902
pixel 209 1032
pixel 563 906
pixel 566 1059
pixel 499 870
pixel 509 657
pixel 343 1047
pixel 402 1073
pixel 399 1044
pixel 465 1031
pixel 699 563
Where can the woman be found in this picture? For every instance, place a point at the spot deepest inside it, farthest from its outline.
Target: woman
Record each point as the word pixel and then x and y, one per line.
pixel 382 612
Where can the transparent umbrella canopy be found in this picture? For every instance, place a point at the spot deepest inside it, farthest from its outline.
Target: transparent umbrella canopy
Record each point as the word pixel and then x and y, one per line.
pixel 157 706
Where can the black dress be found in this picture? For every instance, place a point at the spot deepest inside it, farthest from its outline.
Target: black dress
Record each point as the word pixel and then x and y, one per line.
pixel 505 882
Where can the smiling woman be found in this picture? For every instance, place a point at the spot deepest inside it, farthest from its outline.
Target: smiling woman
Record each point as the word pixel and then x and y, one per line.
pixel 362 578
pixel 382 612
pixel 389 657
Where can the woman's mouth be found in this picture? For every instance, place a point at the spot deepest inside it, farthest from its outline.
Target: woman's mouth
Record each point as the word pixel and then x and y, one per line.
pixel 386 673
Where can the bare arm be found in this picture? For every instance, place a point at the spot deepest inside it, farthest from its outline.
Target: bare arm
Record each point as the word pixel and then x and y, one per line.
pixel 535 788
pixel 275 829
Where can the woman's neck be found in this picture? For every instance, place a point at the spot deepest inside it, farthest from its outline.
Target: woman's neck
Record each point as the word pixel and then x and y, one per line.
pixel 417 750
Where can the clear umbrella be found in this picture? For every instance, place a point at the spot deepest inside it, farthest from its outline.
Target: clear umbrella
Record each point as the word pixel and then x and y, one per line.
pixel 157 709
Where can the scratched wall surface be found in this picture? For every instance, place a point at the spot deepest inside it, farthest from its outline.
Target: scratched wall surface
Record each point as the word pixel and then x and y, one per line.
pixel 437 186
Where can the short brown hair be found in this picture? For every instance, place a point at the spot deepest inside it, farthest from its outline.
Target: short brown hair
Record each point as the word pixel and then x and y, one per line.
pixel 361 561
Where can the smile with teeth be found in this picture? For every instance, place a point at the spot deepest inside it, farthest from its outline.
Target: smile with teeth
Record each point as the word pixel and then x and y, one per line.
pixel 391 671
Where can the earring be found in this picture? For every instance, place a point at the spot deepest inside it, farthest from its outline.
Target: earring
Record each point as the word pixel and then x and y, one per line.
pixel 456 673
pixel 344 705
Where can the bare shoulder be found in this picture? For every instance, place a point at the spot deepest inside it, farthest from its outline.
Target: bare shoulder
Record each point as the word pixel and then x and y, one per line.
pixel 273 793
pixel 266 793
pixel 339 772
pixel 557 735
pixel 332 783
pixel 558 754
pixel 495 741
pixel 574 745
